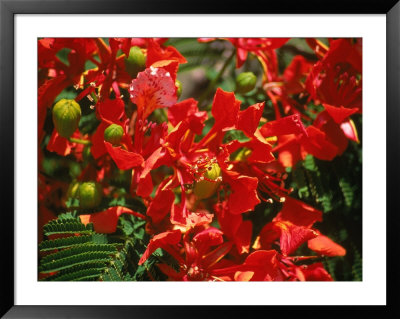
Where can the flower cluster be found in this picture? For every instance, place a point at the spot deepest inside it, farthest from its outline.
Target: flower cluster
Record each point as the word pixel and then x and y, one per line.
pixel 202 166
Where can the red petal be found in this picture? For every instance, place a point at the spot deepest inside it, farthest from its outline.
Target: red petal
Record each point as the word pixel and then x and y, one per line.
pixel 315 272
pixel 123 159
pixel 161 205
pixel 144 186
pixel 249 118
pixel 289 150
pixel 153 88
pixel 111 110
pixel 170 66
pixel 261 150
pixel 339 114
pixel 243 237
pixel 275 43
pixel 241 56
pixel 182 110
pixel 106 221
pixel 262 263
pixel 291 236
pixel 187 110
pixel 189 219
pixel 334 134
pixel 98 148
pixel 207 238
pixel 59 144
pixel 318 145
pixel 349 129
pixel 156 53
pixel 160 241
pixel 325 246
pixel 229 223
pixel 225 109
pixel 286 125
pixel 298 213
pixel 261 258
pixel 243 275
pixel 244 192
pixel 151 161
pixel 46 95
pixel 296 69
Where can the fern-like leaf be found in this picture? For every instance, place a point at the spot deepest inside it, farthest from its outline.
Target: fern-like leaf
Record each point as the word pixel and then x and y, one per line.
pixel 357 266
pixel 79 275
pixel 347 192
pixel 75 260
pixel 67 226
pixel 66 242
pixel 80 249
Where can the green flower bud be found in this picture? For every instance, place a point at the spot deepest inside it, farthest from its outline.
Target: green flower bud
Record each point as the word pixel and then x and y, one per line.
pixel 178 85
pixel 66 116
pixel 208 186
pixel 113 134
pixel 135 62
pixel 90 195
pixel 245 82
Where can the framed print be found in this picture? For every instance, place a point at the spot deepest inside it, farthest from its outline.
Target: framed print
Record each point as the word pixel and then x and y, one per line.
pixel 185 160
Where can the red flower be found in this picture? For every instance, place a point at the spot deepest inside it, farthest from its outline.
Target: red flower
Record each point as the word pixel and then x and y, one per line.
pixel 54 74
pixel 335 79
pixel 202 250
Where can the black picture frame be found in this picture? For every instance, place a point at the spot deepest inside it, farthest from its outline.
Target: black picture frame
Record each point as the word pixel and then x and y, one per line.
pixel 8 10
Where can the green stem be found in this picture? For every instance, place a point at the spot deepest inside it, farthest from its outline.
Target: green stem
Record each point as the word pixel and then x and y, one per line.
pixel 79 141
pixel 212 84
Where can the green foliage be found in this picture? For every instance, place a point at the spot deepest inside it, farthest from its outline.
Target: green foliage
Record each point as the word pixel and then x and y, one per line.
pixel 347 191
pixel 197 54
pixel 67 226
pixel 87 271
pixel 357 266
pixel 60 243
pixel 93 256
pixel 334 187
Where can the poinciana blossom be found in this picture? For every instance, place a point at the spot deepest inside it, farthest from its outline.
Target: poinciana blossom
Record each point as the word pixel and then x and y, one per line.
pixel 336 78
pixel 186 192
pixel 202 250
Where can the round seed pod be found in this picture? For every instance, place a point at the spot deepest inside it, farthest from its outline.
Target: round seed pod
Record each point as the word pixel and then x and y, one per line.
pixel 113 134
pixel 245 82
pixel 135 62
pixel 90 195
pixel 66 116
pixel 208 186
